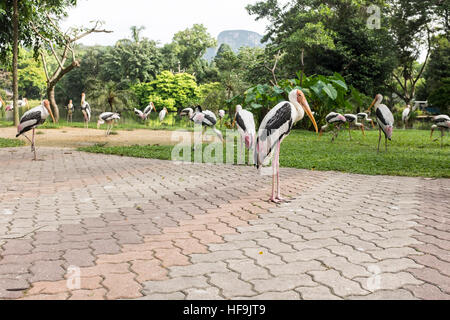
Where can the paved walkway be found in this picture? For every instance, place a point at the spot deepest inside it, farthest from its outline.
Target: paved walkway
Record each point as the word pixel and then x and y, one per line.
pixel 86 226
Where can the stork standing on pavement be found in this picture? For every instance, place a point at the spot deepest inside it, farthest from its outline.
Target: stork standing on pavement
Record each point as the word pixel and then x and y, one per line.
pixel 405 115
pixel 109 118
pixel 352 120
pixel 274 128
pixel 442 122
pixel 335 119
pixel 365 117
pixel 86 110
pixel 385 119
pixel 245 123
pixel 33 118
pixel 206 119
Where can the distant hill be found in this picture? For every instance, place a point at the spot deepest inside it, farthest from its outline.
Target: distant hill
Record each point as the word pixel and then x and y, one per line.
pixel 235 39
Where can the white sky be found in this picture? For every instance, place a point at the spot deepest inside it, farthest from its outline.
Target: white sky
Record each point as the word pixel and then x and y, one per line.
pixel 162 18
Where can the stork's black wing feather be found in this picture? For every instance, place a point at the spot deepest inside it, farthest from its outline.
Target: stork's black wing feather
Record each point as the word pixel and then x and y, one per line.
pixel 210 119
pixel 30 116
pixel 240 122
pixel 381 117
pixel 282 116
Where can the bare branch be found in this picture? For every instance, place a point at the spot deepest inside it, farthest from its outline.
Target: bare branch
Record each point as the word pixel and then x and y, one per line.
pixel 44 62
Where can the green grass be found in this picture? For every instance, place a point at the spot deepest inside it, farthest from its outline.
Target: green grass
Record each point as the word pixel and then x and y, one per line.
pixel 9 143
pixel 411 153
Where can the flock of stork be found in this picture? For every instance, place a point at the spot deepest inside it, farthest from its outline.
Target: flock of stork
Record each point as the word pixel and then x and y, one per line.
pixel 265 145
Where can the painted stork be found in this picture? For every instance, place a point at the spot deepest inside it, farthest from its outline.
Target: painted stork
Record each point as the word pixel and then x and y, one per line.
pixel 274 128
pixel 336 119
pixel 442 122
pixel 352 120
pixel 2 103
pixel 246 127
pixel 162 114
pixel 365 117
pixel 109 118
pixel 405 115
pixel 147 111
pixel 187 112
pixel 385 119
pixel 206 119
pixel 86 109
pixel 33 118
pixel 221 116
pixel 69 111
pixel 20 104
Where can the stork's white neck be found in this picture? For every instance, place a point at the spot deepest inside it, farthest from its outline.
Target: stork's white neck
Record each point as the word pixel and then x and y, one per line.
pixel 298 107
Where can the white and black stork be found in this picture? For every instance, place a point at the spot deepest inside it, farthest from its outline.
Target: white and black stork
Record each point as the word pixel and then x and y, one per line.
pixel 147 111
pixel 33 118
pixel 365 117
pixel 206 119
pixel 274 128
pixel 162 114
pixel 442 122
pixel 385 119
pixel 335 119
pixel 109 118
pixel 352 120
pixel 245 123
pixel 86 110
pixel 405 115
pixel 2 103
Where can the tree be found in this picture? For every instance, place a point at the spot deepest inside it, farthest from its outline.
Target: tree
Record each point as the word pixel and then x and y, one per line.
pixel 180 87
pixel 31 81
pixel 108 94
pixel 191 44
pixel 410 26
pixel 66 58
pixel 15 19
pixel 323 37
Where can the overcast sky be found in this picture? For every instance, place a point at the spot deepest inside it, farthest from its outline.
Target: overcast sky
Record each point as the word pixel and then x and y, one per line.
pixel 162 18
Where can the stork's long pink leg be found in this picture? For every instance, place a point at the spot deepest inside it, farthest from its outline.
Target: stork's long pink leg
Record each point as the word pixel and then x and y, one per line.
pixel 33 147
pixel 275 172
pixel 278 176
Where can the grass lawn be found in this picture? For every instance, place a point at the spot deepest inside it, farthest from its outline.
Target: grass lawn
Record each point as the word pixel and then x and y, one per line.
pixel 8 143
pixel 411 153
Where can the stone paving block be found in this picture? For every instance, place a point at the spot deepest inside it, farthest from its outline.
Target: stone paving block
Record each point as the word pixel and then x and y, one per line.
pixel 248 269
pixel 341 286
pixel 316 293
pixel 230 285
pixel 283 283
pixel 388 281
pixel 175 284
pixel 203 294
pixel 386 295
pixel 198 269
pixel 307 255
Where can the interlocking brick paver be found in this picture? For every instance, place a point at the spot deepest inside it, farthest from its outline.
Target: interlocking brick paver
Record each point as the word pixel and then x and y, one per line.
pixel 147 227
pixel 341 286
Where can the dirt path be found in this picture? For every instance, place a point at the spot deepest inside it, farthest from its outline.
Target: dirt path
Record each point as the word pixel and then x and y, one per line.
pixel 78 137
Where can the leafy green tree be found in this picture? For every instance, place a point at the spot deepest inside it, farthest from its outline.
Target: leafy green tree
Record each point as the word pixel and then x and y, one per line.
pixel 191 44
pixel 323 37
pixel 108 95
pixel 180 87
pixel 13 33
pixel 32 81
pixel 439 97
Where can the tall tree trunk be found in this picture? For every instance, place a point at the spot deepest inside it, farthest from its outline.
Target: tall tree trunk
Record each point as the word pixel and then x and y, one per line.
pixel 51 98
pixel 14 64
pixel 303 67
